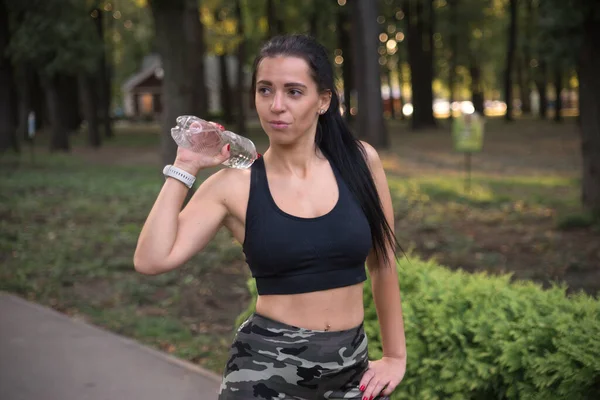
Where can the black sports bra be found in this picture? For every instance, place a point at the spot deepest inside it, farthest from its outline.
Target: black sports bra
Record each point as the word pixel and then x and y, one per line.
pixel 288 254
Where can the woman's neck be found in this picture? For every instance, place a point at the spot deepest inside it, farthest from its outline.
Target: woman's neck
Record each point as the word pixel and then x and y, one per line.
pixel 297 159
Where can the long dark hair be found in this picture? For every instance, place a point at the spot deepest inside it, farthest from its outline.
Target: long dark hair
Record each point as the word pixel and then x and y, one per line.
pixel 334 137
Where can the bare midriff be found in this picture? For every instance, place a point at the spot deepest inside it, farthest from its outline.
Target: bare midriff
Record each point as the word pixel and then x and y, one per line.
pixel 327 310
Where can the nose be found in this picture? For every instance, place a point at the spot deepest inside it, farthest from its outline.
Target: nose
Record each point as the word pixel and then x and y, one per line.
pixel 277 105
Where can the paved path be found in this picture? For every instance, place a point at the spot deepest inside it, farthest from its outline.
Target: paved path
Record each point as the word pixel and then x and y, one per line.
pixel 45 355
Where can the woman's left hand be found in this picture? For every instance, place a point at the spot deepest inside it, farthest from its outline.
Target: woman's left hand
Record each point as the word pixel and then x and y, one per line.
pixel 382 377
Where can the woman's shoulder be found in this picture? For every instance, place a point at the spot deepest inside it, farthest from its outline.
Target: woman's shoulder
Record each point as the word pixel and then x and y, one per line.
pixel 371 154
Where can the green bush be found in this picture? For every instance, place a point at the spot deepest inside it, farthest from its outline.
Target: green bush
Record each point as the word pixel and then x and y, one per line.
pixel 473 336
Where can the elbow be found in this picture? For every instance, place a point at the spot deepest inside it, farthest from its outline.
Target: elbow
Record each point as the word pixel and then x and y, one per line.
pixel 145 267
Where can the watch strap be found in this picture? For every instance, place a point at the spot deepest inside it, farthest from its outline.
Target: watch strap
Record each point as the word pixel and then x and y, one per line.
pixel 186 178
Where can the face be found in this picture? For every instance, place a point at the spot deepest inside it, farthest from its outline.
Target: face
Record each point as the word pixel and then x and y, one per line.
pixel 287 99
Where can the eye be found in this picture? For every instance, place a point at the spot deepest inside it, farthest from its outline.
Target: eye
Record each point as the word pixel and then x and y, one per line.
pixel 295 92
pixel 263 90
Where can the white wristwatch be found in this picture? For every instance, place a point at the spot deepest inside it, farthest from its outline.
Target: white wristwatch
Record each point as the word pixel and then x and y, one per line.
pixel 186 178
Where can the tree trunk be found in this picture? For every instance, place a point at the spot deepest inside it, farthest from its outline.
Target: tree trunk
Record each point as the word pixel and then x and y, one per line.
pixel 226 106
pixel 400 86
pixel 477 97
pixel 272 20
pixel 89 103
pixel 558 85
pixel 510 60
pixel 345 44
pixel 524 85
pixel 104 89
pixel 420 58
pixel 453 51
pixel 388 74
pixel 370 103
pixel 241 78
pixel 8 100
pixel 541 84
pixel 589 65
pixel 183 85
pixel 314 18
pixel 59 136
pixel 358 68
pixel 70 107
pixel 525 64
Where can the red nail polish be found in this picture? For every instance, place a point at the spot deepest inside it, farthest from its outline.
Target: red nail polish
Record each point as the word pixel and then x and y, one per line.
pixel 362 388
pixel 228 147
pixel 371 398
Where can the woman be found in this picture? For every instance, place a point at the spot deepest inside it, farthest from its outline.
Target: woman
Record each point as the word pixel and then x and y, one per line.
pixel 309 213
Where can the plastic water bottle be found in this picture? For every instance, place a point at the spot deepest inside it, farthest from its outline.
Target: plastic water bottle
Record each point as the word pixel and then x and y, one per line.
pixel 207 138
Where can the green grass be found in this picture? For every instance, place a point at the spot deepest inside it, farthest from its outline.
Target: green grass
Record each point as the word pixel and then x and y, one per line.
pixel 68 232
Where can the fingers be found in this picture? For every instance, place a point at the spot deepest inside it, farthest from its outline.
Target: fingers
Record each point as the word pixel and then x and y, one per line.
pixel 373 389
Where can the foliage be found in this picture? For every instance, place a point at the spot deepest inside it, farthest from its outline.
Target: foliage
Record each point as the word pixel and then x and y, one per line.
pixel 56 36
pixel 561 26
pixel 480 337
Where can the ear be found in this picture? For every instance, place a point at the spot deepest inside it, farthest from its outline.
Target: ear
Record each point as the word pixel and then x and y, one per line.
pixel 324 100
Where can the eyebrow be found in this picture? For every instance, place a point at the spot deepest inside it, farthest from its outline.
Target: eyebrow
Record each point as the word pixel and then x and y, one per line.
pixel 289 84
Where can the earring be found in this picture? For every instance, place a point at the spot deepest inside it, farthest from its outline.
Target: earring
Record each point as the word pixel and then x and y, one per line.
pixel 321 112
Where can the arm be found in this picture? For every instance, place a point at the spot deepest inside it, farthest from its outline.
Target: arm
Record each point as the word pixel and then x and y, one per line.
pixel 170 237
pixel 384 283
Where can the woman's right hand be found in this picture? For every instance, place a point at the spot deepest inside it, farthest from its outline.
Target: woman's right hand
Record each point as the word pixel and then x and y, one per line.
pixel 193 162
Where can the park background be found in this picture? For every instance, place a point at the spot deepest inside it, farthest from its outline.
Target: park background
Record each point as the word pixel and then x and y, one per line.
pixel 501 280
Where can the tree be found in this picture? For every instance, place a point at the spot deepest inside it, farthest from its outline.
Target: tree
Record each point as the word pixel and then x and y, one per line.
pixel 59 49
pixel 571 31
pixel 240 76
pixel 8 111
pixel 180 43
pixel 103 79
pixel 370 104
pixel 510 60
pixel 419 34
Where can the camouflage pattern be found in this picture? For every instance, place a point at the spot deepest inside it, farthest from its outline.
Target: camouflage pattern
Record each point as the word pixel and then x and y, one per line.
pixel 271 360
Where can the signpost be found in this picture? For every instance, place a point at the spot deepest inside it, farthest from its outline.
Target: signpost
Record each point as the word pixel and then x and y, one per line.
pixel 467 134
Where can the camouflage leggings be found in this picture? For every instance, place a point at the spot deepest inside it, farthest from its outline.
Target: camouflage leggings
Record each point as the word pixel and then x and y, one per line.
pixel 271 360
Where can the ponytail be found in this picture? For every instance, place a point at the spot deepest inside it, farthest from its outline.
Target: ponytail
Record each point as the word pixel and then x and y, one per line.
pixel 336 141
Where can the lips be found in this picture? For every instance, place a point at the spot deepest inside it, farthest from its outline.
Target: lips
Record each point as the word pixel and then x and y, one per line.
pixel 278 124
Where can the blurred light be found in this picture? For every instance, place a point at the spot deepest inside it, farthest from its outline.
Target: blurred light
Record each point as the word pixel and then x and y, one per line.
pixel 437 36
pixel 392 52
pixel 159 73
pixel 391 44
pixel 223 14
pixel 116 37
pixel 534 63
pixel 399 37
pixel 117 15
pixel 382 60
pixel 383 37
pixel 400 15
pixel 128 24
pixel 391 28
pixel 107 7
pixel 352 110
pixel 382 50
pixel 408 109
pixel 466 107
pixel 342 2
pixel 332 27
pixel 94 14
pixel 338 52
pixel 381 19
pixel 477 34
pixel 339 60
pixel 441 3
